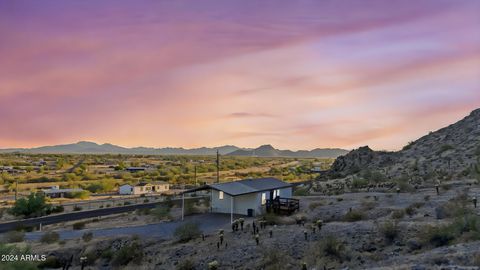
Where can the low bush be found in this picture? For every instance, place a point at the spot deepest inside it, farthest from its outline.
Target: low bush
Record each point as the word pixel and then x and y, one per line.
pixel 50 237
pixel 128 253
pixel 14 236
pixel 187 232
pixel 161 212
pixel 398 214
pixel 314 205
pixel 300 191
pixel 462 229
pixel 389 230
pixel 77 208
pixel 87 237
pixel 186 264
pixel 79 225
pixel 331 247
pixel 353 216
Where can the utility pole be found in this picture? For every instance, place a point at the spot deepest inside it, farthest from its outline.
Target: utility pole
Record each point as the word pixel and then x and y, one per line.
pixel 16 189
pixel 218 167
pixel 195 174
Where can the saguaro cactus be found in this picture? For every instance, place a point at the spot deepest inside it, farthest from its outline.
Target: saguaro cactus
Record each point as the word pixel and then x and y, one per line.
pixel 438 191
pixel 475 202
pixel 241 220
pixel 305 233
pixel 319 224
pixel 257 238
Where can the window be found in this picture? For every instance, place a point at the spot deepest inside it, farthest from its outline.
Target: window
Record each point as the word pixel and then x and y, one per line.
pixel 278 192
pixel 264 198
pixel 220 195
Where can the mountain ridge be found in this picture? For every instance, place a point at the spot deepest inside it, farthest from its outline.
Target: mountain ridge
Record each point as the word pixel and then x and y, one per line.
pixel 86 147
pixel 450 152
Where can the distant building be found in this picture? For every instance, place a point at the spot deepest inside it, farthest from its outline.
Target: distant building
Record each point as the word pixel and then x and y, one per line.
pixel 55 192
pixel 135 169
pixel 144 188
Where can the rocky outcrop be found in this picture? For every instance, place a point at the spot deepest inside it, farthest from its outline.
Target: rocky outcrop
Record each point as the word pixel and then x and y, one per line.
pixel 453 151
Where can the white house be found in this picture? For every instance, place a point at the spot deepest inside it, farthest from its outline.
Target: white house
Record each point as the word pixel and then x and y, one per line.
pixel 250 196
pixel 144 188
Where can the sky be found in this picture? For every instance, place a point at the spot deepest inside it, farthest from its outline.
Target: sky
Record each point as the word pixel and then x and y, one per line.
pixel 294 74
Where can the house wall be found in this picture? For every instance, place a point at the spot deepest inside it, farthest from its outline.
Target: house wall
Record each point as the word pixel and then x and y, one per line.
pixel 163 187
pixel 242 203
pixel 125 190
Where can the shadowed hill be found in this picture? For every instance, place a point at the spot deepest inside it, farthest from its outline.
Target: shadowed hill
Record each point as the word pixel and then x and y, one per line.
pixel 453 151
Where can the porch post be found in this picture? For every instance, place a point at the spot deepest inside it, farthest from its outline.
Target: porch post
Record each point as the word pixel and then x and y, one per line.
pixel 183 204
pixel 231 209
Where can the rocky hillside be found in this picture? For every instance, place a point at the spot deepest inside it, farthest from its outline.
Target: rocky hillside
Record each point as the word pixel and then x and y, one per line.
pixel 451 152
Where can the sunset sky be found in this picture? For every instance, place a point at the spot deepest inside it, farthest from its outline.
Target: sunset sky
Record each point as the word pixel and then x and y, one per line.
pixel 294 74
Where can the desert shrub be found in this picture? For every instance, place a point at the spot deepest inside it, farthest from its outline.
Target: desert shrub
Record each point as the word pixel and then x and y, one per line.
pixel 271 218
pixel 339 199
pixel 107 254
pixel 446 187
pixel 78 225
pixel 437 235
pixel 126 203
pixel 398 214
pixel 444 148
pixel 58 209
pixel 146 200
pixel 77 208
pixel 314 205
pixel 187 232
pixel 366 205
pixel 186 264
pixel 143 211
pixel 462 229
pixel 273 259
pixel 476 259
pixel 128 253
pixel 87 237
pixel 353 216
pixel 32 206
pixel 161 212
pixel 50 237
pixel 84 194
pixel 411 210
pixel 14 236
pixel 404 186
pixel 359 183
pixel 300 191
pixel 454 207
pixel 331 247
pixel 426 198
pixel 389 230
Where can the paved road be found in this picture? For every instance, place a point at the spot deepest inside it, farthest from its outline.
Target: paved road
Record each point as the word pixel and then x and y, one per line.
pixel 208 223
pixel 8 226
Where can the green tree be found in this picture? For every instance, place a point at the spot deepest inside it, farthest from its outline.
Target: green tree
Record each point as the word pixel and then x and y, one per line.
pixel 32 206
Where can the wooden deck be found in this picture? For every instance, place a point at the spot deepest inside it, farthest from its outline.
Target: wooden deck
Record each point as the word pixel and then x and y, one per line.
pixel 282 205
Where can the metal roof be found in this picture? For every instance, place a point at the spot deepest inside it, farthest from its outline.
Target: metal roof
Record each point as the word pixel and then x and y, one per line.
pixel 245 186
pixel 60 190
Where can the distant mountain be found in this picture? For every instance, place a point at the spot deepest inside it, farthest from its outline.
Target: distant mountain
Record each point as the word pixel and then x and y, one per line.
pixel 451 152
pixel 269 151
pixel 94 148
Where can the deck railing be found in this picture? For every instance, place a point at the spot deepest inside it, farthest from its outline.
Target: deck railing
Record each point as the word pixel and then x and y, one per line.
pixel 282 205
